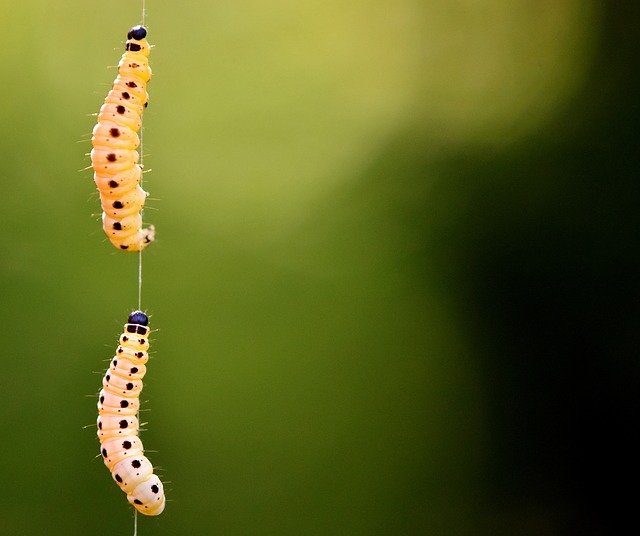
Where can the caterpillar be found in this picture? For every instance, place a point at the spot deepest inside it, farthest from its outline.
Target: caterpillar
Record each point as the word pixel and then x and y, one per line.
pixel 118 425
pixel 114 157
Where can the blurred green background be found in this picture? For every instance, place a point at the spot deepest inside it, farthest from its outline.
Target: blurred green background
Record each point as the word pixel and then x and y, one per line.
pixel 393 282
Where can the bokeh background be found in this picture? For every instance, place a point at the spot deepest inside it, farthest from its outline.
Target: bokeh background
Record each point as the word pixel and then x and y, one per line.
pixel 396 276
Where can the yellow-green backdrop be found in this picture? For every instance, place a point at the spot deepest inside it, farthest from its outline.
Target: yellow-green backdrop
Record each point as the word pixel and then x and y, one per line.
pixel 365 217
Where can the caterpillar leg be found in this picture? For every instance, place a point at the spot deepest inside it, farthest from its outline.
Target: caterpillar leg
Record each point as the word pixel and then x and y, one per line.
pixel 136 242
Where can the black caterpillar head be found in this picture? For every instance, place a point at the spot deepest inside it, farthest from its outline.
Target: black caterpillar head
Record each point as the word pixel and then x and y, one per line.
pixel 137 32
pixel 138 317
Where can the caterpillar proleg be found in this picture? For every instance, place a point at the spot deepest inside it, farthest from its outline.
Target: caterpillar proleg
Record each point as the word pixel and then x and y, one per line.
pixel 118 425
pixel 115 140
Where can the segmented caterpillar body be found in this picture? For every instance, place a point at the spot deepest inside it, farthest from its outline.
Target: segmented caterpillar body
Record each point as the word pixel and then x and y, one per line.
pixel 118 425
pixel 114 157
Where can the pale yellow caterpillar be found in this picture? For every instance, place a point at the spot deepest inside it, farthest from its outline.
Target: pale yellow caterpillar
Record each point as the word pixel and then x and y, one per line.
pixel 114 157
pixel 118 425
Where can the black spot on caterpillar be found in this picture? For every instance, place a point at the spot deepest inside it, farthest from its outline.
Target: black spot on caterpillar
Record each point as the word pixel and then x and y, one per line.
pixel 118 425
pixel 115 140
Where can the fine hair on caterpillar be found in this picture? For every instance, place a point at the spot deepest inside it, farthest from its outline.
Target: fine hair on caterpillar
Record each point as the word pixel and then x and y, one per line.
pixel 118 425
pixel 115 140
